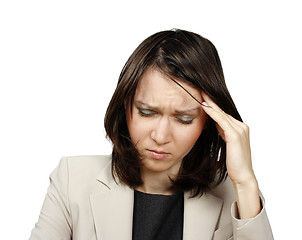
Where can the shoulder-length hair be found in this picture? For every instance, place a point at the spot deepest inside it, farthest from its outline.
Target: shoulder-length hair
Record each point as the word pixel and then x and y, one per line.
pixel 185 56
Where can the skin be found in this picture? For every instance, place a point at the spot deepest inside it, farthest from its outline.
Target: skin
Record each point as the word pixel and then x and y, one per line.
pixel 238 158
pixel 165 124
pixel 164 119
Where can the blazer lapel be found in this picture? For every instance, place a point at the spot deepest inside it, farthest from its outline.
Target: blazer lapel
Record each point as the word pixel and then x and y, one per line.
pixel 201 216
pixel 112 208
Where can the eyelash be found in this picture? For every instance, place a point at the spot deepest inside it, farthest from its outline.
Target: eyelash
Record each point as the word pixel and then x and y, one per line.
pixel 185 121
pixel 149 113
pixel 145 112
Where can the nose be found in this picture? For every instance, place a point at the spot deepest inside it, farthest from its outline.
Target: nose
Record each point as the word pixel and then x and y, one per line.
pixel 161 133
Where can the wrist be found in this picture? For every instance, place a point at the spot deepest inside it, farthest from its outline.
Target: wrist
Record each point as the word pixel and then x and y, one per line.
pixel 248 199
pixel 248 184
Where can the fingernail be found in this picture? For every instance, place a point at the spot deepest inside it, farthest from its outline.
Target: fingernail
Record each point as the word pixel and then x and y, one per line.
pixel 204 104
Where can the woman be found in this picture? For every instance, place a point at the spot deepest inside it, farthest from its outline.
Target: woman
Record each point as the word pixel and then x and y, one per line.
pixel 180 166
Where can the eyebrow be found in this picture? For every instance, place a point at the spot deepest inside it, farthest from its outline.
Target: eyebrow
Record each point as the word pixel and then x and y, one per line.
pixel 176 111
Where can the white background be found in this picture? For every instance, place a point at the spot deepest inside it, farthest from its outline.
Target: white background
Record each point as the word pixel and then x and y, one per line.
pixel 60 61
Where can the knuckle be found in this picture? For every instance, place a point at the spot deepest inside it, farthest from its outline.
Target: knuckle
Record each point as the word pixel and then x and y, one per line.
pixel 241 131
pixel 246 128
pixel 236 136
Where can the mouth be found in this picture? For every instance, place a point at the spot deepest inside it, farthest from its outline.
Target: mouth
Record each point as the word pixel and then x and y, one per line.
pixel 157 154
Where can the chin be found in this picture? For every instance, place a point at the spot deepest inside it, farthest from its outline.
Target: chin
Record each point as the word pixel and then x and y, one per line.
pixel 156 166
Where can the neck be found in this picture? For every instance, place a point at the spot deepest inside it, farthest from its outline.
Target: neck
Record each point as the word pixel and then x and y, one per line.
pixel 155 183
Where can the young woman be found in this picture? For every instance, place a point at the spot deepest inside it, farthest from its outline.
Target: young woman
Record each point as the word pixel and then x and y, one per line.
pixel 180 166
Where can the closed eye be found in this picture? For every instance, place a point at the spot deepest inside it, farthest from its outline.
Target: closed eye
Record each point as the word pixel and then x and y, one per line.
pixel 146 112
pixel 185 119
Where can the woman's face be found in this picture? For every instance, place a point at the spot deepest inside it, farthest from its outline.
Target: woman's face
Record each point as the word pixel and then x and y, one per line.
pixel 165 123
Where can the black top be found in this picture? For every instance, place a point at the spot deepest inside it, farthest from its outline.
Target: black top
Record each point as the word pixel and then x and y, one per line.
pixel 157 217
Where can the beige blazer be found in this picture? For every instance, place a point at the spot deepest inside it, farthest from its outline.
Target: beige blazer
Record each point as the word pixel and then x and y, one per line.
pixel 83 202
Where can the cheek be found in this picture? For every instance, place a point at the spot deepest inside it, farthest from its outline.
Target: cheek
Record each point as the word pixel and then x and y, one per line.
pixel 188 137
pixel 136 133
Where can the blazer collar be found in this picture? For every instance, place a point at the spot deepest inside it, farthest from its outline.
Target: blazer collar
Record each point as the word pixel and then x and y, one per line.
pixel 201 215
pixel 112 210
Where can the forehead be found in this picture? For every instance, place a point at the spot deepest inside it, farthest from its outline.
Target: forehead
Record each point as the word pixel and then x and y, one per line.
pixel 156 88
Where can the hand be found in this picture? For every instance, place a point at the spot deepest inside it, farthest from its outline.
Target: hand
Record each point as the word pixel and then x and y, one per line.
pixel 238 157
pixel 236 136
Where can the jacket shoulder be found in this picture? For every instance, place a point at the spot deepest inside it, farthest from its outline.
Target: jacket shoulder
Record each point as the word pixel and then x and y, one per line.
pixel 81 170
pixel 87 162
pixel 77 176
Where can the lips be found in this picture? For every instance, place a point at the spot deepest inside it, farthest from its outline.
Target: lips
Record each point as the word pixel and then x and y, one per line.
pixel 158 154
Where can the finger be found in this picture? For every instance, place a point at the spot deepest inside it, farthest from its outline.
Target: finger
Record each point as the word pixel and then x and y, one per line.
pixel 208 101
pixel 220 118
pixel 235 123
pixel 228 127
pixel 213 109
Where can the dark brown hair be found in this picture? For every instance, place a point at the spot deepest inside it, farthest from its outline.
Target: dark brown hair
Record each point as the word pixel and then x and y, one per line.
pixel 185 56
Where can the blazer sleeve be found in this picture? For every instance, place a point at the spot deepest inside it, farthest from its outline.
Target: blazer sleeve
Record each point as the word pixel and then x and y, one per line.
pixel 55 216
pixel 256 228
